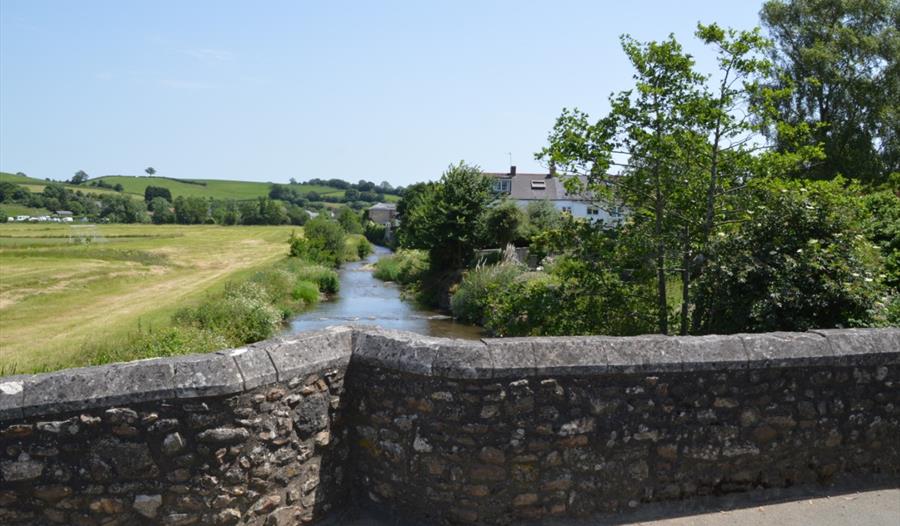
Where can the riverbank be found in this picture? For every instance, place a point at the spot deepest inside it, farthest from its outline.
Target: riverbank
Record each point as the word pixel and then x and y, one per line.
pixel 365 300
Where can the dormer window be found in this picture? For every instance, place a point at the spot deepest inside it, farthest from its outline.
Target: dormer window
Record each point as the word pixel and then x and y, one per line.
pixel 502 186
pixel 538 185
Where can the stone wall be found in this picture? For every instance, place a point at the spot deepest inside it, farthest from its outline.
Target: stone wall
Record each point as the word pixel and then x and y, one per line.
pixel 247 436
pixel 493 432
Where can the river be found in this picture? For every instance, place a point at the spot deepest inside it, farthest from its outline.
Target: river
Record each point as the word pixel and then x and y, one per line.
pixel 364 300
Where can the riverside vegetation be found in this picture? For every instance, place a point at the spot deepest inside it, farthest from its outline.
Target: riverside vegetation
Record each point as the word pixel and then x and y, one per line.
pixel 92 294
pixel 749 207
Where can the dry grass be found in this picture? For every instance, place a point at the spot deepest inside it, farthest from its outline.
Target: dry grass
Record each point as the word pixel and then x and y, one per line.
pixel 65 287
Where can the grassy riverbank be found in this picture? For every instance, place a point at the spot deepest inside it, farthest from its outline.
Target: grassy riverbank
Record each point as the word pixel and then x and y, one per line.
pixel 68 290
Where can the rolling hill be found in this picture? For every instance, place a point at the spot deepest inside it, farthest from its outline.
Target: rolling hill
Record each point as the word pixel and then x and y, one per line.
pixel 134 186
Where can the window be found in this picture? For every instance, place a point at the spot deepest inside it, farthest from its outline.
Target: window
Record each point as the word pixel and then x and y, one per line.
pixel 538 185
pixel 502 185
pixel 593 211
pixel 567 209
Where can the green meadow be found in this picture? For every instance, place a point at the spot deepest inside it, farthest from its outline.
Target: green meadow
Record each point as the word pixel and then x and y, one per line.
pixel 65 288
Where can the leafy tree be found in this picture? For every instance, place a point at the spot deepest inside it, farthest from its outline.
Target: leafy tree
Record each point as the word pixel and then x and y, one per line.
pixel 349 221
pixel 122 209
pixel 151 192
pixel 150 170
pixel 118 187
pixel 313 196
pixel 79 177
pixel 839 58
pixel 297 216
pixel 445 218
pixel 322 242
pixel 800 261
pixel 503 224
pixel 191 210
pixel 161 209
pixel 293 181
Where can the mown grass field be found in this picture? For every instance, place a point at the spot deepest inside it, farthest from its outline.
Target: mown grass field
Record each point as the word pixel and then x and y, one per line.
pixel 66 287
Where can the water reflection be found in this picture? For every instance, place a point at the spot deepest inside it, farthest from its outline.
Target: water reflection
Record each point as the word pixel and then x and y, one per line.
pixel 365 300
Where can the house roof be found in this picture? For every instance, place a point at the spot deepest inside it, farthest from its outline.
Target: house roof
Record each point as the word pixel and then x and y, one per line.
pixel 552 189
pixel 383 206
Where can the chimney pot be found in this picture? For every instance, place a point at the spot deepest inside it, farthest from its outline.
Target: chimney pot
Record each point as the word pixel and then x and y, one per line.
pixel 512 170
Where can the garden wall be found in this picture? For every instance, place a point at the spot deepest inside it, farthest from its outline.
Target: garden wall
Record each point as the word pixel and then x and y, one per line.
pixel 493 432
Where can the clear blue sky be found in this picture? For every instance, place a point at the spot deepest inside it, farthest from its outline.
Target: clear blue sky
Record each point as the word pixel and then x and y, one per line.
pixel 270 90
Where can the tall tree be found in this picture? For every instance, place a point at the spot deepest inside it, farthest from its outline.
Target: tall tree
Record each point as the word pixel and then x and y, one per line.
pixel 839 58
pixel 150 170
pixel 656 127
pixel 79 177
pixel 445 218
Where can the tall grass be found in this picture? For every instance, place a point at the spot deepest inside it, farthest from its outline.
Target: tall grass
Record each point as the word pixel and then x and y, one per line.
pixel 469 301
pixel 405 267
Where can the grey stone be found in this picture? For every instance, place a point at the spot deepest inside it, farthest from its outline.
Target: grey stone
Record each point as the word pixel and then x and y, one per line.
pixel 255 365
pixel 652 353
pixel 511 357
pixel 863 346
pixel 206 375
pixel 172 444
pixel 21 469
pixel 147 505
pixel 460 359
pixel 307 353
pixel 12 396
pixel 224 435
pixel 397 350
pixel 712 352
pixel 103 386
pixel 570 356
pixel 786 349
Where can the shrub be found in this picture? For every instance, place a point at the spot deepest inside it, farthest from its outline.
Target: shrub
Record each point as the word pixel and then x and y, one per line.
pixel 170 341
pixel 325 278
pixel 363 248
pixel 244 313
pixel 801 261
pixel 322 242
pixel 306 291
pixel 469 301
pixel 405 267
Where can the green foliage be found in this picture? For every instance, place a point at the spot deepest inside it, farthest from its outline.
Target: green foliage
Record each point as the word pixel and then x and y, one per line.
pixel 306 291
pixel 363 248
pixel 349 221
pixel 799 261
pixel 191 210
pixel 838 59
pixel 244 313
pixel 152 192
pixel 162 213
pixel 375 233
pixel 323 242
pixel 79 177
pixel 883 229
pixel 445 218
pixel 503 223
pixel 325 278
pixel 405 267
pixel 470 301
pixel 169 341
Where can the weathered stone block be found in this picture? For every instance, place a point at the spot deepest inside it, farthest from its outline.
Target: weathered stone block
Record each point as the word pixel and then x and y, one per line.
pixel 786 349
pixel 206 375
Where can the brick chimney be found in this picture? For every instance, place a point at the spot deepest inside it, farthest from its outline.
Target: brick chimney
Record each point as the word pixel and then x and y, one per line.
pixel 552 170
pixel 512 170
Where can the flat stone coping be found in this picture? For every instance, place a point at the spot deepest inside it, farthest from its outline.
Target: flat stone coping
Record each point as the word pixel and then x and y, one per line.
pixel 278 360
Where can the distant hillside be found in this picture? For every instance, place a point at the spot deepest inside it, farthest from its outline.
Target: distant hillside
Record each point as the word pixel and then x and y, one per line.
pixel 134 186
pixel 37 185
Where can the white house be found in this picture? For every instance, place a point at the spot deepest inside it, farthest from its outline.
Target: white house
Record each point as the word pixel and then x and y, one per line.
pixel 524 188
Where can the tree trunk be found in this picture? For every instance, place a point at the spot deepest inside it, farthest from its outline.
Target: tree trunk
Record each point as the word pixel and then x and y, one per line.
pixel 685 280
pixel 662 305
